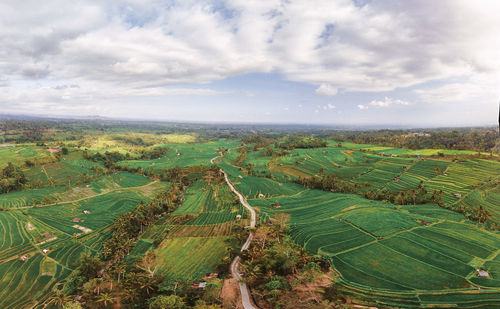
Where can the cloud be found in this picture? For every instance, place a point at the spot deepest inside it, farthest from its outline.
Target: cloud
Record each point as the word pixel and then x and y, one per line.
pixel 361 106
pixel 114 46
pixel 328 106
pixel 326 90
pixel 387 102
pixel 481 89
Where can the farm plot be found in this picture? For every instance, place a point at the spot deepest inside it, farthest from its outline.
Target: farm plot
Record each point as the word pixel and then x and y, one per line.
pixel 195 197
pixel 69 171
pixel 18 154
pixel 255 187
pixel 19 199
pixel 181 256
pixel 488 198
pixel 23 235
pixel 394 255
pixel 25 273
pixel 183 155
pixel 462 177
pixel 340 162
pixel 102 211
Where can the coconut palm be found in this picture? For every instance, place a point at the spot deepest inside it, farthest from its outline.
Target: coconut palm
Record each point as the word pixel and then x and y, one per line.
pixel 105 299
pixel 59 299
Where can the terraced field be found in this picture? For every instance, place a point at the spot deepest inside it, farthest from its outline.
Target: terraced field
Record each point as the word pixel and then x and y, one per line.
pixel 183 155
pixel 76 220
pixel 391 255
pixel 18 154
pixel 200 227
pixel 409 256
pixel 180 256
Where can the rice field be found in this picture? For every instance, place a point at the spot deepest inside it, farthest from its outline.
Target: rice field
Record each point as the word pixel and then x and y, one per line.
pixel 384 254
pixel 181 256
pixel 65 220
pixel 192 241
pixel 400 256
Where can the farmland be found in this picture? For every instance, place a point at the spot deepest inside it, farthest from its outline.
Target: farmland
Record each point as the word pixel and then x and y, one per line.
pixel 395 255
pixel 203 226
pixel 66 217
pixel 400 253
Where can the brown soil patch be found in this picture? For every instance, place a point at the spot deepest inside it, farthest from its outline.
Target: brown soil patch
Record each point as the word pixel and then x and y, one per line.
pixel 230 294
pixel 287 170
pixel 311 290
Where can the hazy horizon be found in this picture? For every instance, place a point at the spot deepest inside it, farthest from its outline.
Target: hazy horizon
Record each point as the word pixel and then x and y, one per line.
pixel 334 63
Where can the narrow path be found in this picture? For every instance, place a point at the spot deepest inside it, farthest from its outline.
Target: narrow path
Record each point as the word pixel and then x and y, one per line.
pixel 245 292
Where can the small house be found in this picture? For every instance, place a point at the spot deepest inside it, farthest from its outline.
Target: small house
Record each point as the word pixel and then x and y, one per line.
pixel 238 217
pixel 425 222
pixel 45 250
pixel 482 273
pixel 457 195
pixel 24 257
pixel 396 179
pixel 261 195
pixel 86 212
pixel 394 155
pixel 199 285
pixel 76 220
pixel 47 235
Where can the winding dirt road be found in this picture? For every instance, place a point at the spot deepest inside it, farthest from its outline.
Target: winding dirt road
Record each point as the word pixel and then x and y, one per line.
pixel 245 292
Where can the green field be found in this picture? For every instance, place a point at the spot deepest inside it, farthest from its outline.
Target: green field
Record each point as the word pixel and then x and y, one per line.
pixel 192 240
pixel 419 255
pixel 410 256
pixel 44 219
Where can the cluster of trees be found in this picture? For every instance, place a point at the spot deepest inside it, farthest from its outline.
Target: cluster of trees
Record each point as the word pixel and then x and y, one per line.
pixel 260 140
pixel 274 265
pixel 329 183
pixel 295 141
pixel 477 139
pixel 132 140
pixel 242 155
pixel 110 158
pixel 12 178
pixel 406 197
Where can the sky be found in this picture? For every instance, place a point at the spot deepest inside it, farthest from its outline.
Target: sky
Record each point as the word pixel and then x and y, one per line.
pixel 336 62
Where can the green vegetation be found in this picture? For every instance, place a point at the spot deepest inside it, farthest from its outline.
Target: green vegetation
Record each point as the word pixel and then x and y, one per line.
pixel 378 224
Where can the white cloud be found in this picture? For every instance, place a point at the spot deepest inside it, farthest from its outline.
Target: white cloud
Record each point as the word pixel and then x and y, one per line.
pixel 387 102
pixel 326 90
pixel 481 89
pixel 328 106
pixel 361 106
pixel 115 46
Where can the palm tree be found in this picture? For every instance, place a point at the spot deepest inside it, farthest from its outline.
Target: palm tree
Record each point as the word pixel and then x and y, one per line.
pixel 120 269
pixel 59 299
pixel 98 285
pixel 129 296
pixel 106 299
